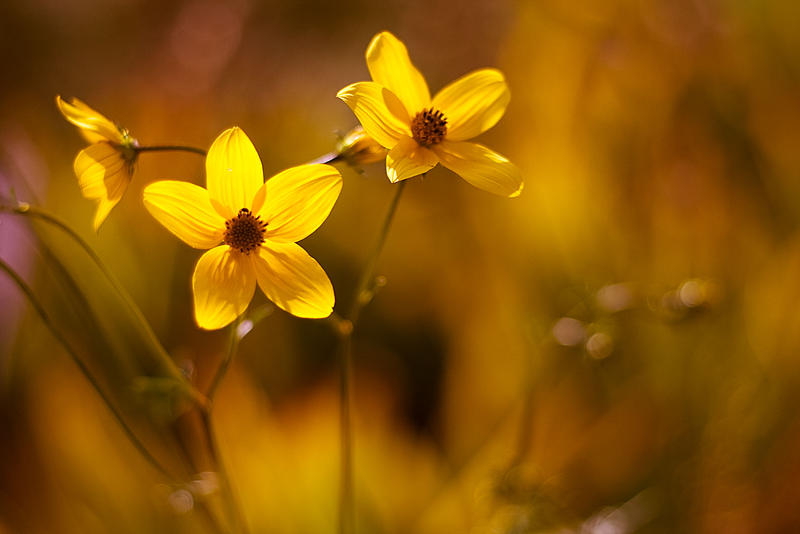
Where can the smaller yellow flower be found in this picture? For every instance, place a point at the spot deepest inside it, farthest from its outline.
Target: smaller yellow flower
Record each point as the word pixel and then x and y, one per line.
pixel 396 110
pixel 358 148
pixel 251 228
pixel 104 168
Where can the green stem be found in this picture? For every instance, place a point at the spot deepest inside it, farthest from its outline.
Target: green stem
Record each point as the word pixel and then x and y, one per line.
pixel 37 306
pixel 170 148
pixel 233 346
pixel 364 292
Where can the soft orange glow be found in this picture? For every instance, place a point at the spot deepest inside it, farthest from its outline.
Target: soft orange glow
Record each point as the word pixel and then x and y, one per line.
pixel 615 350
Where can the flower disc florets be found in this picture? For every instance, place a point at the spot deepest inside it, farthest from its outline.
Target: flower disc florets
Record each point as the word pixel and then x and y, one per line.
pixel 244 232
pixel 429 127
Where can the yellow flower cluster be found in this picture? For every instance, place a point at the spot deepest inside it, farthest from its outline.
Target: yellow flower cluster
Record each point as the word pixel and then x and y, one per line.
pixel 250 227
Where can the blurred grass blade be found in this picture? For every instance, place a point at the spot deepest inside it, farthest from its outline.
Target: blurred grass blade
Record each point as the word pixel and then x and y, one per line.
pixel 24 209
pixel 107 334
pixel 29 294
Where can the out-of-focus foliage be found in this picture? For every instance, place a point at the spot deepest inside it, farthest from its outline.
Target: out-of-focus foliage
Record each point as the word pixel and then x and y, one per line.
pixel 617 350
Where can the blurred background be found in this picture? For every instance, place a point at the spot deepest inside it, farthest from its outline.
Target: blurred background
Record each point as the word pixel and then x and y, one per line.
pixel 615 351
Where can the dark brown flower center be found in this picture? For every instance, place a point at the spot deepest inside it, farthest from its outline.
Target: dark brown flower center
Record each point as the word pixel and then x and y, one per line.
pixel 429 127
pixel 245 232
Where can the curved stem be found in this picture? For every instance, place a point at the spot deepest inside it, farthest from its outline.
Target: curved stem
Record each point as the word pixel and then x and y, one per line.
pixel 365 290
pixel 233 346
pixel 37 306
pixel 170 148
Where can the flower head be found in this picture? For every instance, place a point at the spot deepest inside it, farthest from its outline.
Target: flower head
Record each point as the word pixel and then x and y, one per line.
pixel 105 167
pixel 251 228
pixel 396 109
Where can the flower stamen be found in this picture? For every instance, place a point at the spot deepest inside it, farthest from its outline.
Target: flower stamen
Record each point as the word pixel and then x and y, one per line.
pixel 245 232
pixel 429 127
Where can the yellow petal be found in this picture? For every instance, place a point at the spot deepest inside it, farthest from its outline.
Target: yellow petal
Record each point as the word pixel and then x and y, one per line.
pixel 298 200
pixel 390 66
pixel 233 171
pixel 293 280
pixel 408 159
pixel 104 207
pixel 103 175
pixel 94 126
pixel 473 103
pixel 185 210
pixel 223 284
pixel 378 110
pixel 481 167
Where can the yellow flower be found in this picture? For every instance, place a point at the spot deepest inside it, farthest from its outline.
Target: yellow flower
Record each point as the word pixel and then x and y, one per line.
pixel 105 167
pixel 397 111
pixel 257 224
pixel 358 148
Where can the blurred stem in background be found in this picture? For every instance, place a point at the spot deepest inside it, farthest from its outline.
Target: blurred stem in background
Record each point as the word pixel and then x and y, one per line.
pixel 234 510
pixel 345 326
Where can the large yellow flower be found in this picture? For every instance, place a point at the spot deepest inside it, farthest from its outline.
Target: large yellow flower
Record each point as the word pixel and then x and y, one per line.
pixel 105 167
pixel 396 109
pixel 251 228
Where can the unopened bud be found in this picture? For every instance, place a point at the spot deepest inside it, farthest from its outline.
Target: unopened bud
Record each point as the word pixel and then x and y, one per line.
pixel 358 148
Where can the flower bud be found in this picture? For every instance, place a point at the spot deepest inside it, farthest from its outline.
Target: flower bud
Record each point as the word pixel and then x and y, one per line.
pixel 358 148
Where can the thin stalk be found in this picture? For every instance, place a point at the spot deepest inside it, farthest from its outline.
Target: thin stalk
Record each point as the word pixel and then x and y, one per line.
pixel 210 517
pixel 202 504
pixel 37 306
pixel 330 157
pixel 346 487
pixel 234 510
pixel 346 326
pixel 170 148
pixel 233 346
pixel 363 292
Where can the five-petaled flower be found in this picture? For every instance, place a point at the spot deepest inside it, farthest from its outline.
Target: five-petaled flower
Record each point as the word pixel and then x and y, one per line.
pixel 251 228
pixel 104 168
pixel 397 111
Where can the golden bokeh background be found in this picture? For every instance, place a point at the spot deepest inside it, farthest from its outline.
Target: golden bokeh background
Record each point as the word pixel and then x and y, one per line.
pixel 615 351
